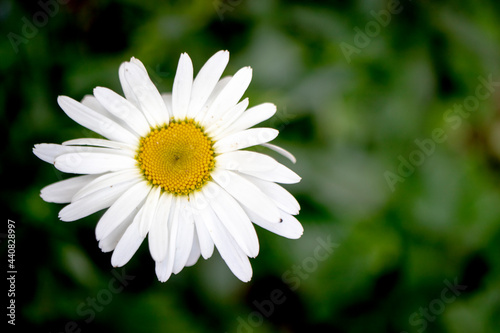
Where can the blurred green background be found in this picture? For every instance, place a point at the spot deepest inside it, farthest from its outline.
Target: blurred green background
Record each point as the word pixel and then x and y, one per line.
pixel 356 84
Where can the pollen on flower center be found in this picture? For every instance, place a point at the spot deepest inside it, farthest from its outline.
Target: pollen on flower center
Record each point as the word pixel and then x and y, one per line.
pixel 177 157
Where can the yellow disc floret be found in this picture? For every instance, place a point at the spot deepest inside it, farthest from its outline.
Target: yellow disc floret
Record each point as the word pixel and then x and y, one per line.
pixel 178 157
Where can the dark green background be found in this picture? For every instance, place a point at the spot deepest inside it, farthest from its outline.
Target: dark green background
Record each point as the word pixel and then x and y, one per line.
pixel 347 122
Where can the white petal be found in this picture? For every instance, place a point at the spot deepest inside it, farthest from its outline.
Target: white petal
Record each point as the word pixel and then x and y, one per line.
pixel 139 63
pixel 243 160
pixel 167 98
pixel 63 191
pixel 165 267
pixel 206 80
pixel 229 95
pixel 92 102
pixel 48 152
pixel 236 260
pixel 162 271
pixel 92 163
pixel 206 242
pixel 127 90
pixel 229 250
pixel 281 151
pixel 290 227
pixel 184 239
pixel 258 165
pixel 244 139
pixel 107 180
pixel 158 233
pixel 149 213
pixel 145 93
pixel 251 117
pixel 123 109
pixel 101 143
pixel 95 202
pixel 129 202
pixel 279 174
pixel 108 243
pixel 181 91
pixel 233 217
pixel 281 197
pixel 200 115
pixel 128 243
pixel 247 194
pixel 226 119
pixel 195 253
pixel 95 121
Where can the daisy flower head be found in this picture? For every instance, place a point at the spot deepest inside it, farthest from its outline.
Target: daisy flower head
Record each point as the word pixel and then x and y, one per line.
pixel 175 168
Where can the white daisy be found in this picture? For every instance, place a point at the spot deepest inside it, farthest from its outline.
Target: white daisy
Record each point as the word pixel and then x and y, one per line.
pixel 173 168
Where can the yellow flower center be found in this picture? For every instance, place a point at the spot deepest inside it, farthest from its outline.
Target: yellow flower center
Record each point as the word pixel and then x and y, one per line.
pixel 177 157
